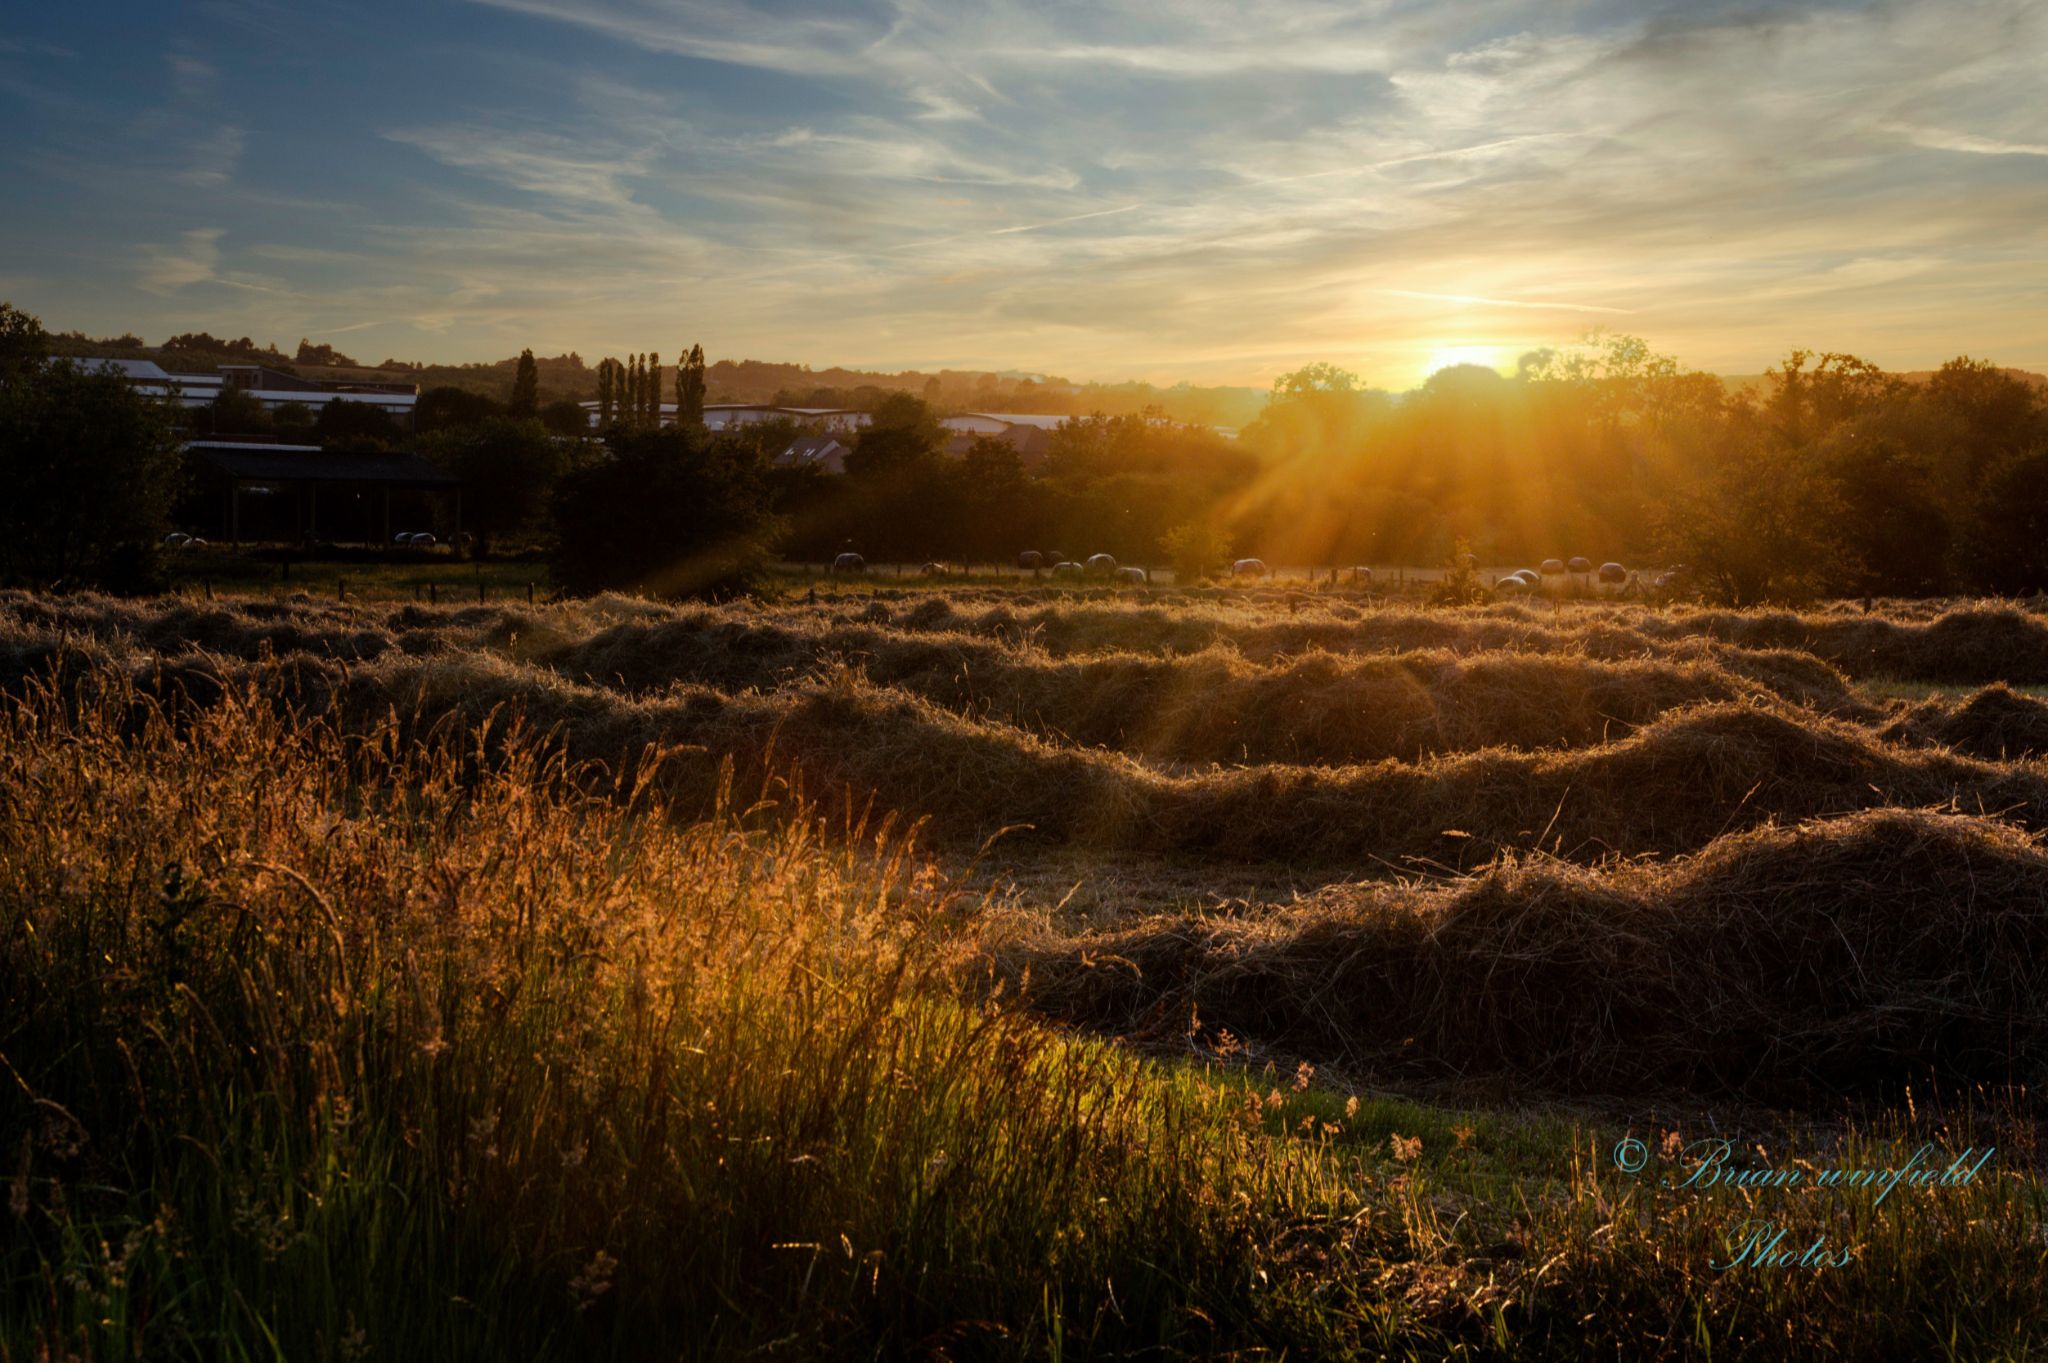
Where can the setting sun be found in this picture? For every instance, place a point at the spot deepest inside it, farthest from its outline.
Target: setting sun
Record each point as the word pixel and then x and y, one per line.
pixel 1486 356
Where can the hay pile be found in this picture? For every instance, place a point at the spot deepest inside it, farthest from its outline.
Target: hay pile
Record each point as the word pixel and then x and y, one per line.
pixel 1997 724
pixel 1672 786
pixel 1215 705
pixel 1840 957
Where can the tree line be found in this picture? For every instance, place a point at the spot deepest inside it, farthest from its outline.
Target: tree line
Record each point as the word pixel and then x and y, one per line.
pixel 1829 476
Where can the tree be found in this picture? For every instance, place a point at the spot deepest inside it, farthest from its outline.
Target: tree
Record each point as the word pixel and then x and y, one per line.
pixel 690 389
pixel 1196 549
pixel 354 426
pixel 508 467
pixel 1758 524
pixel 2007 548
pixel 23 343
pixel 673 513
pixel 651 411
pixel 901 437
pixel 233 411
pixel 447 407
pixel 309 353
pixel 565 416
pixel 525 388
pixel 91 469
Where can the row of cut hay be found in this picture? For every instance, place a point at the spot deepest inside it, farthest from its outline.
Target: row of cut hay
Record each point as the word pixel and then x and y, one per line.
pixel 1997 723
pixel 1849 956
pixel 253 627
pixel 1213 706
pixel 1968 644
pixel 1672 786
pixel 1209 707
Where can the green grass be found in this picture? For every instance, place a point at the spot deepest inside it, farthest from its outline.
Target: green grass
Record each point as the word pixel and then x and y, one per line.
pixel 328 1046
pixel 229 573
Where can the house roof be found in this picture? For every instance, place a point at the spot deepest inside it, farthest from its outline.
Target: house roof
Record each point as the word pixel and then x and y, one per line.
pixel 308 464
pixel 813 451
pixel 1044 421
pixel 142 371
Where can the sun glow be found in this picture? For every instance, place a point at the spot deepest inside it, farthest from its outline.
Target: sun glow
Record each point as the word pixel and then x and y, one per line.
pixel 1444 357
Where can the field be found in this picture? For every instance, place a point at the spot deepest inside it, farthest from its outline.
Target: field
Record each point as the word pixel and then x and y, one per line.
pixel 993 970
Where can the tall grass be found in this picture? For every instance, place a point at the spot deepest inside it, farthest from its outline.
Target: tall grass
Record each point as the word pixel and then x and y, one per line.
pixel 330 1043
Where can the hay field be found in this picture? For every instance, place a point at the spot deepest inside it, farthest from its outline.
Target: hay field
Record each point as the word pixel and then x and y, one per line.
pixel 1005 973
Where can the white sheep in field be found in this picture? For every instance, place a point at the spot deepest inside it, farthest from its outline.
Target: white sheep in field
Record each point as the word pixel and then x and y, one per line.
pixel 849 563
pixel 1102 563
pixel 1613 574
pixel 1031 560
pixel 1068 569
pixel 1138 576
pixel 1250 567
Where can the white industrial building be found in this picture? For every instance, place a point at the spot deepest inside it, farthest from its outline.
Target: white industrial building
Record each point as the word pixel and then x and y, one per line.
pixel 725 416
pixel 270 388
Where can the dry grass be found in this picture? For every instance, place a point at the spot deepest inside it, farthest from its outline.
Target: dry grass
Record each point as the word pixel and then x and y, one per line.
pixel 1849 957
pixel 394 994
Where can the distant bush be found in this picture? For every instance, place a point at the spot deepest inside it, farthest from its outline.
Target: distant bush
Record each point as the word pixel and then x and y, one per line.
pixel 670 513
pixel 90 469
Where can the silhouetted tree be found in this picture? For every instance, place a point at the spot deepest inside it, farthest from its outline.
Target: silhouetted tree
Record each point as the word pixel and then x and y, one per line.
pixel 446 407
pixel 354 425
pixel 566 416
pixel 23 343
pixel 690 388
pixel 90 468
pixel 508 467
pixel 525 388
pixel 671 513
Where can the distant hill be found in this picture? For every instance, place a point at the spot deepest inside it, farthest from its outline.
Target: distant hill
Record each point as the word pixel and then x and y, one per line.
pixel 952 390
pixel 569 376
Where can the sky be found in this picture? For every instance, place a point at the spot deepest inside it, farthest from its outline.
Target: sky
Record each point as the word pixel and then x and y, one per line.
pixel 1214 191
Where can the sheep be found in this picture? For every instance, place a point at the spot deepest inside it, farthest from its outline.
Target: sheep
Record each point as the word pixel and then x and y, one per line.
pixel 1067 569
pixel 1514 584
pixel 1102 563
pixel 1137 576
pixel 1613 574
pixel 1250 567
pixel 423 540
pixel 177 539
pixel 849 563
pixel 1552 567
pixel 1580 565
pixel 1362 575
pixel 1031 560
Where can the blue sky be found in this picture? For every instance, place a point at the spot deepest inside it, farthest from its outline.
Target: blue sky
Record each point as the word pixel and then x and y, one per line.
pixel 1191 189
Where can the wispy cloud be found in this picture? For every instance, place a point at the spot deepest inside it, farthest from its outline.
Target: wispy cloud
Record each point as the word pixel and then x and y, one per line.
pixel 1937 139
pixel 193 259
pixel 1533 304
pixel 1194 190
